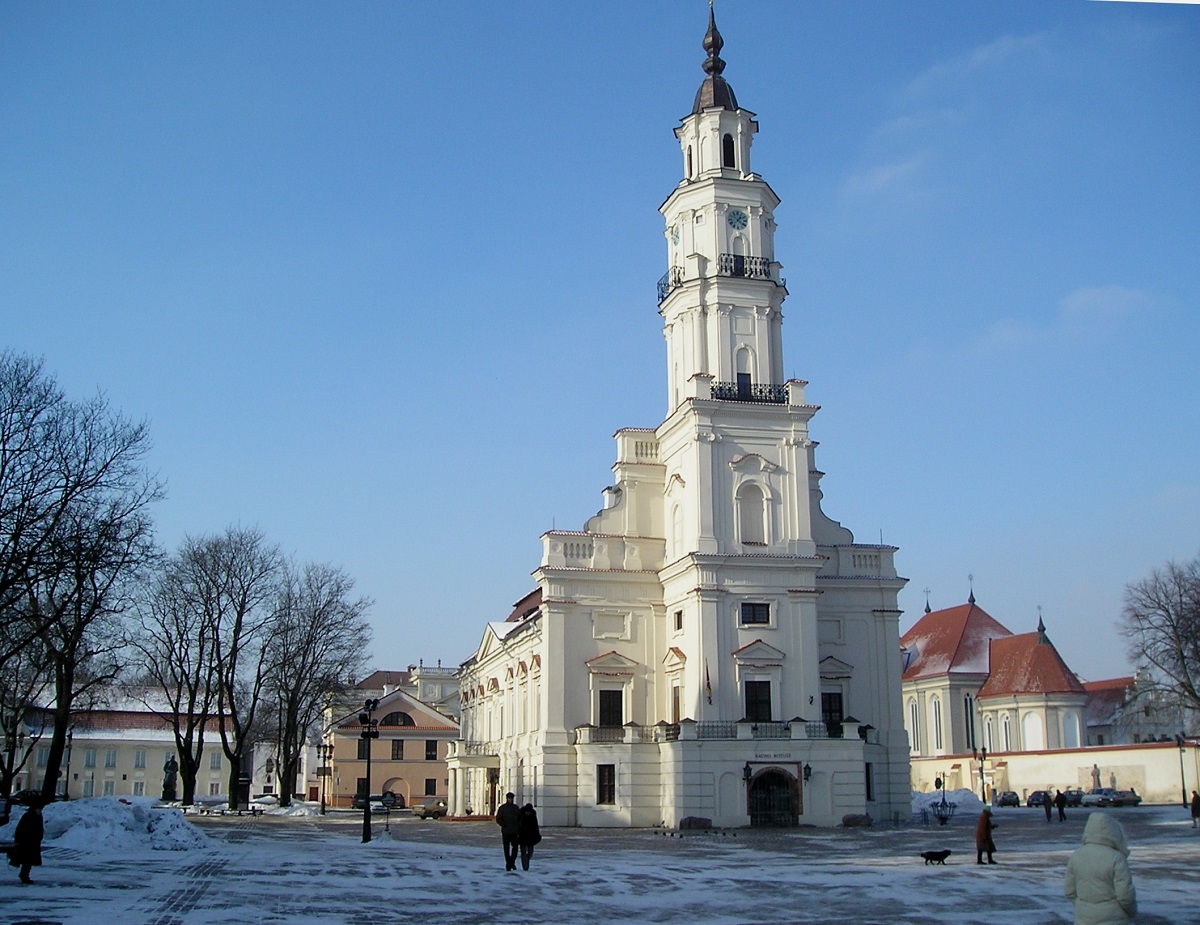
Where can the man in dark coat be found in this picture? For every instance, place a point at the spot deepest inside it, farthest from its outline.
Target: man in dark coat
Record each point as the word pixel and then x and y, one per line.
pixel 27 842
pixel 508 817
pixel 1060 802
pixel 983 836
pixel 528 834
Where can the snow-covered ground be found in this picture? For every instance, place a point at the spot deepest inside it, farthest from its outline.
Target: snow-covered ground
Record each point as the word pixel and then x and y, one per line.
pixel 108 862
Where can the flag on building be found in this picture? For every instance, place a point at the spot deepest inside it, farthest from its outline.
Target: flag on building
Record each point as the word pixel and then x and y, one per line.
pixel 707 682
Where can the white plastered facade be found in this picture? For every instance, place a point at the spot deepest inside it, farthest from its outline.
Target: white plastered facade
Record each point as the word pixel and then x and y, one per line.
pixel 694 646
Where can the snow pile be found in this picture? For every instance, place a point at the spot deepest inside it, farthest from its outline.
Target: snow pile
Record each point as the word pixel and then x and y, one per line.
pixel 106 823
pixel 298 808
pixel 965 801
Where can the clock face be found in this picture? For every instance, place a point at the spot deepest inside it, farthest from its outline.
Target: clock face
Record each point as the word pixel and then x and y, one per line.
pixel 737 219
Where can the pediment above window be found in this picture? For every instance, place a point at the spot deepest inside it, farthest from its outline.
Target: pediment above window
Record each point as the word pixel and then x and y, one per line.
pixel 833 669
pixel 758 654
pixel 612 663
pixel 674 660
pixel 752 462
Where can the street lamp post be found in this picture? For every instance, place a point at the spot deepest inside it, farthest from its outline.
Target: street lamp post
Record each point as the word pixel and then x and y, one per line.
pixel 1182 742
pixel 370 730
pixel 324 755
pixel 981 757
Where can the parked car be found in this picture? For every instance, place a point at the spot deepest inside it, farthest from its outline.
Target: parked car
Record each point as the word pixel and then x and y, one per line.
pixel 432 810
pixel 1074 796
pixel 1128 798
pixel 1007 798
pixel 1100 796
pixel 1039 797
pixel 29 797
pixel 360 801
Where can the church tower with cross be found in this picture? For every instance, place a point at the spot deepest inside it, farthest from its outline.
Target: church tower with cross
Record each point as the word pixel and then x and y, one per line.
pixel 710 645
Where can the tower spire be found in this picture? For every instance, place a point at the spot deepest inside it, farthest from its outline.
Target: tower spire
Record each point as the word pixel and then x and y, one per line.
pixel 715 92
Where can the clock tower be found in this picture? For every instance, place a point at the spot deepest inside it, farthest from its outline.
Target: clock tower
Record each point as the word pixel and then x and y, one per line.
pixel 721 296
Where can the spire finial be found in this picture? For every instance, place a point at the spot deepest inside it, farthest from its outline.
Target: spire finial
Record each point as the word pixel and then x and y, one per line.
pixel 927 610
pixel 1041 626
pixel 971 584
pixel 713 43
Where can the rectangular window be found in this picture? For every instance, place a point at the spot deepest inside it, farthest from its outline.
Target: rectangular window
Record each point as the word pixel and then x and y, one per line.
pixel 758 701
pixel 214 788
pixel 364 749
pixel 139 788
pixel 214 761
pixel 139 758
pixel 431 749
pixel 360 786
pixel 675 694
pixel 611 708
pixel 743 379
pixel 430 786
pixel 89 788
pixel 870 780
pixel 89 758
pixel 397 749
pixel 110 758
pixel 108 788
pixel 606 784
pixel 678 620
pixel 755 613
pixel 831 713
pixel 43 756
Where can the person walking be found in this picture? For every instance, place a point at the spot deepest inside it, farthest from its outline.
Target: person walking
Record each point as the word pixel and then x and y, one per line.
pixel 1047 802
pixel 1060 802
pixel 26 851
pixel 1195 808
pixel 1098 880
pixel 528 834
pixel 984 843
pixel 508 817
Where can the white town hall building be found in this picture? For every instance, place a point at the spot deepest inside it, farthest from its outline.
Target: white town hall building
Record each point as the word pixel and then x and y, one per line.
pixel 710 644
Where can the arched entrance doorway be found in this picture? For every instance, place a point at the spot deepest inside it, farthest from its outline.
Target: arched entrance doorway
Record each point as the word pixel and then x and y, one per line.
pixel 774 798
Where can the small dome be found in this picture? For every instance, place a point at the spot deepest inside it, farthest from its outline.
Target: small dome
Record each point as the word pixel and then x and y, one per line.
pixel 715 92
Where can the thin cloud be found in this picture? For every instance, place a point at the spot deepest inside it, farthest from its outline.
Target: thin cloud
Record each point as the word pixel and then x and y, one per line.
pixel 879 179
pixel 1088 311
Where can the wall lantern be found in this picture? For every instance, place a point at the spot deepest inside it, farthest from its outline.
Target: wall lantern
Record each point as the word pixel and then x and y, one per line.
pixel 807 773
pixel 747 772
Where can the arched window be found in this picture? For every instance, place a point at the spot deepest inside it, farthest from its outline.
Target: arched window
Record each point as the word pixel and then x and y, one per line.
pixel 689 162
pixel 751 510
pixel 987 735
pixel 914 726
pixel 744 361
pixel 1006 734
pixel 969 719
pixel 397 719
pixel 727 159
pixel 1031 733
pixel 1071 731
pixel 936 708
pixel 677 532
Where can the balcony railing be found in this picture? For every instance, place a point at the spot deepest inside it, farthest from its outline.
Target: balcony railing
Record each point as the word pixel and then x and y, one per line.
pixel 747 391
pixel 771 731
pixel 608 734
pixel 672 279
pixel 747 267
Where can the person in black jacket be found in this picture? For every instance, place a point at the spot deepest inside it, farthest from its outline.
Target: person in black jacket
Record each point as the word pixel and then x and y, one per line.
pixel 528 834
pixel 26 851
pixel 508 817
pixel 1060 802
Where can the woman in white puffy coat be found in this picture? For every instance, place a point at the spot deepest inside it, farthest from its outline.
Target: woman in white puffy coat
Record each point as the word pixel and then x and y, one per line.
pixel 1098 878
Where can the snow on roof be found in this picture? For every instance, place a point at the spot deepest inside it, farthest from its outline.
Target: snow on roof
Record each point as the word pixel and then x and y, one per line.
pixel 1028 664
pixel 948 641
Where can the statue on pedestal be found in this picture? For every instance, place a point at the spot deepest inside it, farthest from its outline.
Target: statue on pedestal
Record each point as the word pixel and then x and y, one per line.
pixel 170 769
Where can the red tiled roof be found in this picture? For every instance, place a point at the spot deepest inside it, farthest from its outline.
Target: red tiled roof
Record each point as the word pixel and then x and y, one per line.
pixel 1105 699
pixel 377 680
pixel 525 606
pixel 1110 684
pixel 1028 664
pixel 948 641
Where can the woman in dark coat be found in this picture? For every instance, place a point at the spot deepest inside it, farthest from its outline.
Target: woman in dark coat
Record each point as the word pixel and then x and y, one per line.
pixel 528 834
pixel 27 842
pixel 984 844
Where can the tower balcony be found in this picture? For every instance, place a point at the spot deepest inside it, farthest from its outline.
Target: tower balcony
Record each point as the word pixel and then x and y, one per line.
pixel 672 279
pixel 751 391
pixel 744 267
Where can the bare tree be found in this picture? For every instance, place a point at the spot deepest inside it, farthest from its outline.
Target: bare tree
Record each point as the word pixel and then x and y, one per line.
pixel 74 528
pixel 177 643
pixel 25 681
pixel 238 577
pixel 320 640
pixel 1162 623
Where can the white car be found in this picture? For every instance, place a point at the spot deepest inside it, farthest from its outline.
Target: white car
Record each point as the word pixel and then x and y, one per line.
pixel 1101 796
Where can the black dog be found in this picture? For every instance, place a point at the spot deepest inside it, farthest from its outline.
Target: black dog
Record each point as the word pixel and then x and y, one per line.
pixel 935 857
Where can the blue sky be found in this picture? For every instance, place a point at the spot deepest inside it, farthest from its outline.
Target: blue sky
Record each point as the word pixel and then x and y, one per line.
pixel 367 270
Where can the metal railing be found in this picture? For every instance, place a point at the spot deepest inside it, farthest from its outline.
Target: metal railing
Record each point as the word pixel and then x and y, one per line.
pixel 716 730
pixel 771 731
pixel 608 734
pixel 672 279
pixel 756 392
pixel 747 267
